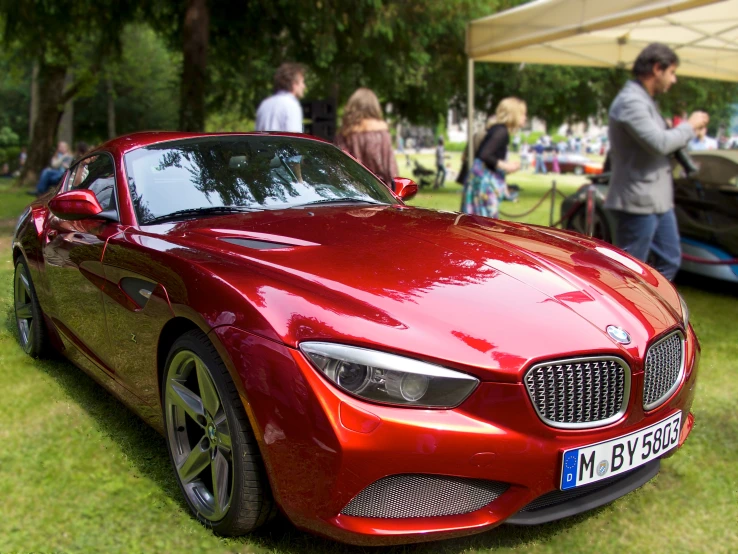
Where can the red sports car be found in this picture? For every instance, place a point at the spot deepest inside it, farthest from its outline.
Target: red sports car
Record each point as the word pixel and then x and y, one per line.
pixel 380 373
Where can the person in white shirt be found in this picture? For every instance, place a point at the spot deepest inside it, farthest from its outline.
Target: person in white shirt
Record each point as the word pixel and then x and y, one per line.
pixel 702 142
pixel 282 111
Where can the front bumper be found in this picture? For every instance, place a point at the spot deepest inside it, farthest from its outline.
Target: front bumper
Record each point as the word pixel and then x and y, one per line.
pixel 322 447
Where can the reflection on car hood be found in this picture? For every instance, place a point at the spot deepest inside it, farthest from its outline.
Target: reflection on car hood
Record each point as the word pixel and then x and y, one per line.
pixel 460 289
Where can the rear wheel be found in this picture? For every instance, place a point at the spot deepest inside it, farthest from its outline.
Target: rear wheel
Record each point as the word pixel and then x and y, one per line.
pixel 29 318
pixel 578 170
pixel 211 444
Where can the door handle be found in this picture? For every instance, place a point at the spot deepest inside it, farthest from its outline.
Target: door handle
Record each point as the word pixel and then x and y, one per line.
pixel 51 235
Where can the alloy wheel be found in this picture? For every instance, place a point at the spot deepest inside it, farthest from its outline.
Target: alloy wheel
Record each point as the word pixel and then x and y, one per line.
pixel 23 307
pixel 199 436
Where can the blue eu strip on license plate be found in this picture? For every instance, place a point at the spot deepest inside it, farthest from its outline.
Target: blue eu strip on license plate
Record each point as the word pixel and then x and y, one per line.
pixel 588 464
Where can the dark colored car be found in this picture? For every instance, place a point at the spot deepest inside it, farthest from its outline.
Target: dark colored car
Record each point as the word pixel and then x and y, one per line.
pixel 706 205
pixel 380 373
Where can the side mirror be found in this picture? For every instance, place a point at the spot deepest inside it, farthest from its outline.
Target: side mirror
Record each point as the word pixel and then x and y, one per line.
pixel 405 188
pixel 75 204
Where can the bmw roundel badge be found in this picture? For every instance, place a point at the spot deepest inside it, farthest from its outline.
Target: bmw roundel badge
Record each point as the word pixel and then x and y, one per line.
pixel 618 335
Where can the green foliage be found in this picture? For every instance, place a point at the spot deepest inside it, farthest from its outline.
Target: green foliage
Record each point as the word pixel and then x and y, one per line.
pixel 64 38
pixel 557 94
pixel 411 54
pixel 714 97
pixel 228 121
pixel 146 94
pixel 564 94
pixel 15 85
pixel 533 137
pixel 145 78
pixel 455 146
pixel 8 137
pixel 9 155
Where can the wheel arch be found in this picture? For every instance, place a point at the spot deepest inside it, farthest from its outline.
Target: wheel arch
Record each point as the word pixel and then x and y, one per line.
pixel 17 253
pixel 172 330
pixel 178 326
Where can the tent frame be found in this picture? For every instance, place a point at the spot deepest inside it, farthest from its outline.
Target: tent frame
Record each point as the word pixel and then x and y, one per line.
pixel 487 49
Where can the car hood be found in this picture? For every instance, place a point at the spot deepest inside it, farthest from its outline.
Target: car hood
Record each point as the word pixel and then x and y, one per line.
pixel 461 290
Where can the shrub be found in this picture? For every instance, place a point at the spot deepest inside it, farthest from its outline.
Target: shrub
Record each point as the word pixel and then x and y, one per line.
pixel 8 137
pixel 455 146
pixel 10 155
pixel 532 137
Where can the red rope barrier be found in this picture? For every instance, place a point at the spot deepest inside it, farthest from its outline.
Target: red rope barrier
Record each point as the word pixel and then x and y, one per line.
pixel 576 206
pixel 534 208
pixel 697 260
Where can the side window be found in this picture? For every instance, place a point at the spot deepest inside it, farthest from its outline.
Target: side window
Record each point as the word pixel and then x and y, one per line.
pixel 96 173
pixel 70 179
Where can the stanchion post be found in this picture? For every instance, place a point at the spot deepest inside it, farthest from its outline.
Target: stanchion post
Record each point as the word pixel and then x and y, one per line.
pixel 590 213
pixel 553 203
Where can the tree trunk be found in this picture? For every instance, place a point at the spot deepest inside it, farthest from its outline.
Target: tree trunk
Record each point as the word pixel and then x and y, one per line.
pixel 66 122
pixel 111 108
pixel 194 68
pixel 50 108
pixel 34 101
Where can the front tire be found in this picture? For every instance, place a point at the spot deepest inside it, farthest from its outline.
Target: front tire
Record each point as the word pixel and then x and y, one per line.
pixel 210 441
pixel 29 318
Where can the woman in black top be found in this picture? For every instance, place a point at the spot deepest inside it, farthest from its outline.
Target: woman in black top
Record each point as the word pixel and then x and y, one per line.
pixel 485 184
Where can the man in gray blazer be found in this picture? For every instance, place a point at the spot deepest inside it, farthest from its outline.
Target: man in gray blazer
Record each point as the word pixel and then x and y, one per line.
pixel 641 196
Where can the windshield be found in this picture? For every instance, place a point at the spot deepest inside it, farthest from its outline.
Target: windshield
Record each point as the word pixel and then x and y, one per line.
pixel 258 172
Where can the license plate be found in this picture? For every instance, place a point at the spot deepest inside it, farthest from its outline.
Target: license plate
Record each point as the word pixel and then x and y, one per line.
pixel 595 462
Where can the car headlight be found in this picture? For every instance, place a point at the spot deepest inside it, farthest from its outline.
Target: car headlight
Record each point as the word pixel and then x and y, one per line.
pixel 388 378
pixel 685 311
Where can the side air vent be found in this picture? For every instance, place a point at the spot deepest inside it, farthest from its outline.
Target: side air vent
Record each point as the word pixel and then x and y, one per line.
pixel 138 290
pixel 257 244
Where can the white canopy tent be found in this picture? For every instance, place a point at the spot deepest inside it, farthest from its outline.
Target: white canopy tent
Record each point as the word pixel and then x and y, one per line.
pixel 608 33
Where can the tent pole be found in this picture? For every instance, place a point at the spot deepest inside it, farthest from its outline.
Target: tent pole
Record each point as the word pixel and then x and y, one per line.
pixel 470 115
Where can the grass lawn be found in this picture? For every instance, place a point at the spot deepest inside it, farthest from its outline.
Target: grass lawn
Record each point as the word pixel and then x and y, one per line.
pixel 79 472
pixel 532 188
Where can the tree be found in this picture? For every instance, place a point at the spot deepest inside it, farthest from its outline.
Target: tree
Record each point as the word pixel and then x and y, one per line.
pixel 15 83
pixel 61 36
pixel 145 79
pixel 715 97
pixel 411 54
pixel 195 33
pixel 566 94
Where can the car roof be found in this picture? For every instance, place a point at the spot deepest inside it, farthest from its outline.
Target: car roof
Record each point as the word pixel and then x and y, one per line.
pixel 731 155
pixel 133 141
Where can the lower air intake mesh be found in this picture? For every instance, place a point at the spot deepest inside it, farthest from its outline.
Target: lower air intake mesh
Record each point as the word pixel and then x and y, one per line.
pixel 412 495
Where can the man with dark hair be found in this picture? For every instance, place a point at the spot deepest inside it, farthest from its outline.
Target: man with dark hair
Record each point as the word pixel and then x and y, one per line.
pixel 282 111
pixel 641 195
